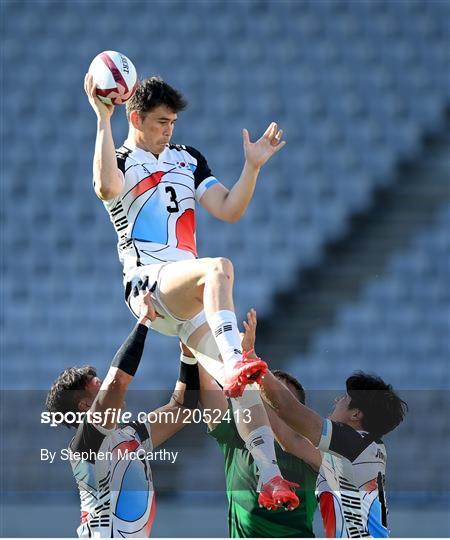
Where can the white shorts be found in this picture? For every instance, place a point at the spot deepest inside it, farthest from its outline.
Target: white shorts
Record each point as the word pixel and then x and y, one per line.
pixel 170 325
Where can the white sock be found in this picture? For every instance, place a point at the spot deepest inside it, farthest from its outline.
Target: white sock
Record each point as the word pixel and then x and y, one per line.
pixel 260 444
pixel 225 330
pixel 188 359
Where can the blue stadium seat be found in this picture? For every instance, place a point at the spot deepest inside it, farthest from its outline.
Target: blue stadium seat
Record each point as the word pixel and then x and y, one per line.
pixel 351 110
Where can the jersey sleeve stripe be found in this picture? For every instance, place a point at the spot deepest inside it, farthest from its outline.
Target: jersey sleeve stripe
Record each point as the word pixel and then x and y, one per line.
pixel 325 439
pixel 204 186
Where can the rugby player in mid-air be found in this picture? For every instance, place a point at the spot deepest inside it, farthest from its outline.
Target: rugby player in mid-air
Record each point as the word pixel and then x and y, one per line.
pixel 149 190
pixel 116 490
pixel 299 460
pixel 350 485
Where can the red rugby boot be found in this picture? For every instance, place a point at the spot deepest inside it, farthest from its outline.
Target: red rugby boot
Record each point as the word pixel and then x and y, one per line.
pixel 277 493
pixel 245 371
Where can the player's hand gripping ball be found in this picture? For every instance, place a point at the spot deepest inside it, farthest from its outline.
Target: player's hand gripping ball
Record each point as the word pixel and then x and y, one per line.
pixel 114 76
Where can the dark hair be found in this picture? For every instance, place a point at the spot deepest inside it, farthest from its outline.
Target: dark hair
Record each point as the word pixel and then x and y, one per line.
pixel 153 92
pixel 382 408
pixel 286 377
pixel 66 392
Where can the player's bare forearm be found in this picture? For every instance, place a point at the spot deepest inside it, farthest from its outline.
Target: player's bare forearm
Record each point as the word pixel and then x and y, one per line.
pixel 170 418
pixel 108 180
pixel 230 205
pixel 292 442
pixel 300 418
pixel 167 421
pixel 178 412
pixel 238 198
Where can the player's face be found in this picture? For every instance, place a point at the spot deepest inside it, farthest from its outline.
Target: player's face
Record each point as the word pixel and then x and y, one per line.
pixel 156 128
pixel 91 390
pixel 93 387
pixel 341 412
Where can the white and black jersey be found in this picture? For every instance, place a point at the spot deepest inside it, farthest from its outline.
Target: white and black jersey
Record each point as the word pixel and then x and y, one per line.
pixel 154 215
pixel 350 484
pixel 116 492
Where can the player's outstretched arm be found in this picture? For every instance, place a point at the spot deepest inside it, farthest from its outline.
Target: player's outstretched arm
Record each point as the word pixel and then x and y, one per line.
pixel 294 443
pixel 108 179
pixel 288 439
pixel 300 419
pixel 230 205
pixel 297 416
pixel 125 363
pixel 174 416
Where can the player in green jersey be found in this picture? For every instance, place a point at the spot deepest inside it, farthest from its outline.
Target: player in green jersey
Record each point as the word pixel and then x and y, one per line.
pixel 297 458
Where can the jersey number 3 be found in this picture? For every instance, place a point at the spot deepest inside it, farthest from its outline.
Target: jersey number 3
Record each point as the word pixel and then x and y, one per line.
pixel 173 199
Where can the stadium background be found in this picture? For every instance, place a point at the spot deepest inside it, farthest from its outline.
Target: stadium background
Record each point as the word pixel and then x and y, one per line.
pixel 344 250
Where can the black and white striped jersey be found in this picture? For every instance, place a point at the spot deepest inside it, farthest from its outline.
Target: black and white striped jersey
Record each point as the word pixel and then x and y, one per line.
pixel 116 493
pixel 154 215
pixel 350 484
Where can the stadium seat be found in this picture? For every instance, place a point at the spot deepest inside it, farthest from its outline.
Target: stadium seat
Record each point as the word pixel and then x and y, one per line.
pixel 355 85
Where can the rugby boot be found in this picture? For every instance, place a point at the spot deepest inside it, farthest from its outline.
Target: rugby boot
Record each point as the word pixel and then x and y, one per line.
pixel 245 371
pixel 277 493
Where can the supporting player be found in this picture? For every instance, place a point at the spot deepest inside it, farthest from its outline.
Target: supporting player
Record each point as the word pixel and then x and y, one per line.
pixel 149 190
pixel 297 457
pixel 350 485
pixel 116 489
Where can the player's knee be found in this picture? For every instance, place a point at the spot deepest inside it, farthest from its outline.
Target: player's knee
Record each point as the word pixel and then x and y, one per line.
pixel 221 267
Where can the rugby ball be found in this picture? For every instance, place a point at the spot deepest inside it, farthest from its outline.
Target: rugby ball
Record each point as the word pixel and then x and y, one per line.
pixel 114 76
